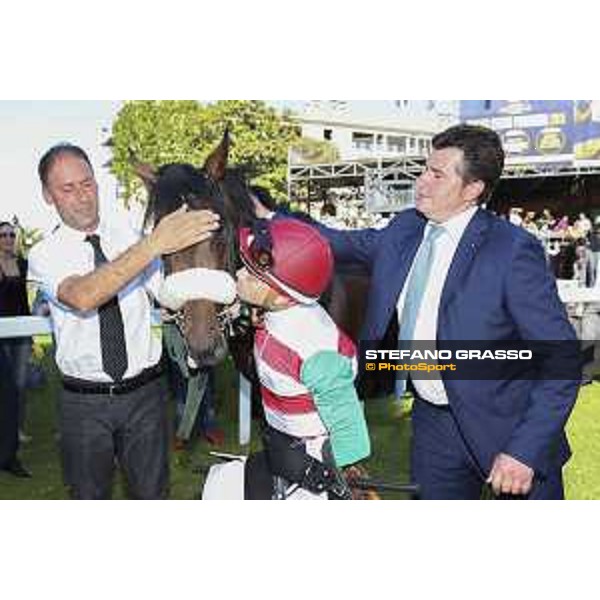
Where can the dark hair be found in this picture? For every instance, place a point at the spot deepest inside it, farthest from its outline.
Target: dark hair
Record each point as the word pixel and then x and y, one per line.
pixel 482 151
pixel 4 223
pixel 54 153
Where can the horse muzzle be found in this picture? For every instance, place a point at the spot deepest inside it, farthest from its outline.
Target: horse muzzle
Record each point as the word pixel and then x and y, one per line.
pixel 197 284
pixel 194 295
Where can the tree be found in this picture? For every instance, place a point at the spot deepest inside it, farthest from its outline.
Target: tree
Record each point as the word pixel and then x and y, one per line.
pixel 160 132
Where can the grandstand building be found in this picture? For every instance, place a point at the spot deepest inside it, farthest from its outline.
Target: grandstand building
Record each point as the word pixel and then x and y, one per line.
pixel 382 147
pixel 553 151
pixel 362 130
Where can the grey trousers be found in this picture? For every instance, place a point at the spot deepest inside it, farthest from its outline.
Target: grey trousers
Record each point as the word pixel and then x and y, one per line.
pixel 99 431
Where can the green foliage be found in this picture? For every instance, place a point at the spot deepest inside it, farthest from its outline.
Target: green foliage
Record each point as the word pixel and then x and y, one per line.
pixel 160 132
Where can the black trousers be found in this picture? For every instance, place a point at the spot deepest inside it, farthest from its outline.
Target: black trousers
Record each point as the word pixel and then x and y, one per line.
pixel 99 431
pixel 9 410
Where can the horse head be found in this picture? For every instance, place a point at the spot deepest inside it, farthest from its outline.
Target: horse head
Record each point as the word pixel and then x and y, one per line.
pixel 216 187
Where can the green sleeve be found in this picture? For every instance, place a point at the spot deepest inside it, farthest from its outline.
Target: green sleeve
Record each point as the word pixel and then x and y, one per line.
pixel 329 377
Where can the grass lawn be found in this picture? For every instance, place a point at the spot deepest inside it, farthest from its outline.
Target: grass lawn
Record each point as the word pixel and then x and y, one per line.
pixel 582 474
pixel 389 426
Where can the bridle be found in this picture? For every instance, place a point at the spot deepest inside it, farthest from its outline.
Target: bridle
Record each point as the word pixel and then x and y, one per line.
pixel 232 320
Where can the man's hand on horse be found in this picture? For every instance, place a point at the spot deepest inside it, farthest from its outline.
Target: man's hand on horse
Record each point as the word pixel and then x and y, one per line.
pixel 510 476
pixel 183 228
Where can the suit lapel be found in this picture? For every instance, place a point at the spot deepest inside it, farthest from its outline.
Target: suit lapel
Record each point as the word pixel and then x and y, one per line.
pixel 405 251
pixel 466 251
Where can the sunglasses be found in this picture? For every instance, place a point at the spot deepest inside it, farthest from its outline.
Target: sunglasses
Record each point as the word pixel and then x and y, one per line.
pixel 8 234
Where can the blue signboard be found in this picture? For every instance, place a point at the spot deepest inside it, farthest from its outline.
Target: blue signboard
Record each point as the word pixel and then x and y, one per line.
pixel 587 130
pixel 532 131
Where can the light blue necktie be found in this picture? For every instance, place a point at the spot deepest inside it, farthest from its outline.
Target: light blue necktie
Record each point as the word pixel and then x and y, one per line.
pixel 415 290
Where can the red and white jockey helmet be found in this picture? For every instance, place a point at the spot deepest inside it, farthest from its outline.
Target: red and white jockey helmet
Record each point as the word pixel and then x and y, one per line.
pixel 290 256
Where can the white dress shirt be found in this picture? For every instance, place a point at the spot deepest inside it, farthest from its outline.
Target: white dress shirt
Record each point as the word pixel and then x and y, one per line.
pixel 427 319
pixel 65 253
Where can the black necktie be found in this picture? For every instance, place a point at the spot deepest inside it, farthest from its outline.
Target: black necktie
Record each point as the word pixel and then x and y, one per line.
pixel 112 331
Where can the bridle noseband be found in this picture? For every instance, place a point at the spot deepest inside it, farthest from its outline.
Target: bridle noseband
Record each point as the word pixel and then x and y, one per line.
pixel 233 320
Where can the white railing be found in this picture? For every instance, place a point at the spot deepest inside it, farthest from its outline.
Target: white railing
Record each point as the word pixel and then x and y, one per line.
pixel 15 327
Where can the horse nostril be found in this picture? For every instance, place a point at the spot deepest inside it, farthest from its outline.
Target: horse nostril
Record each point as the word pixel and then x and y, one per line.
pixel 211 350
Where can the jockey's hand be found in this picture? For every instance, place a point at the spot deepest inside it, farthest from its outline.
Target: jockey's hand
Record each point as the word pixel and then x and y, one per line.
pixel 353 473
pixel 510 476
pixel 256 292
pixel 183 228
pixel 250 289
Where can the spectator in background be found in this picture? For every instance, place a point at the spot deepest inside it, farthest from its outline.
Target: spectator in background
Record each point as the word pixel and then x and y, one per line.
pixel 328 209
pixel 13 303
pixel 583 225
pixel 515 216
pixel 529 223
pixel 580 264
pixel 9 419
pixel 328 213
pixel 545 221
pixel 593 254
pixel 562 226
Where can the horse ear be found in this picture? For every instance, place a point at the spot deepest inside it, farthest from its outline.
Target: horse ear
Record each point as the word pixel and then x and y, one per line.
pixel 216 163
pixel 144 171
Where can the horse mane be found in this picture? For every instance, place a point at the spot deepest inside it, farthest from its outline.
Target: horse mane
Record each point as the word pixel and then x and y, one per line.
pixel 239 207
pixel 179 183
pixel 176 184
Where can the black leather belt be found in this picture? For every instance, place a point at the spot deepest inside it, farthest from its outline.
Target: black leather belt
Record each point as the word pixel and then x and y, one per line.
pixel 81 386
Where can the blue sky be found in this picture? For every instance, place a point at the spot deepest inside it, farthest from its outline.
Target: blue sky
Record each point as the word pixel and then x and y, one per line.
pixel 28 128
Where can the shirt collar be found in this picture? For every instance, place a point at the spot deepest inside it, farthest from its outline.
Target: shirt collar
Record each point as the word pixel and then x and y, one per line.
pixel 456 225
pixel 77 235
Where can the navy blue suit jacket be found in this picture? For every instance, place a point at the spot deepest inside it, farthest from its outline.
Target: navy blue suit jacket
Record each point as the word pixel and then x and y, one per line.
pixel 499 287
